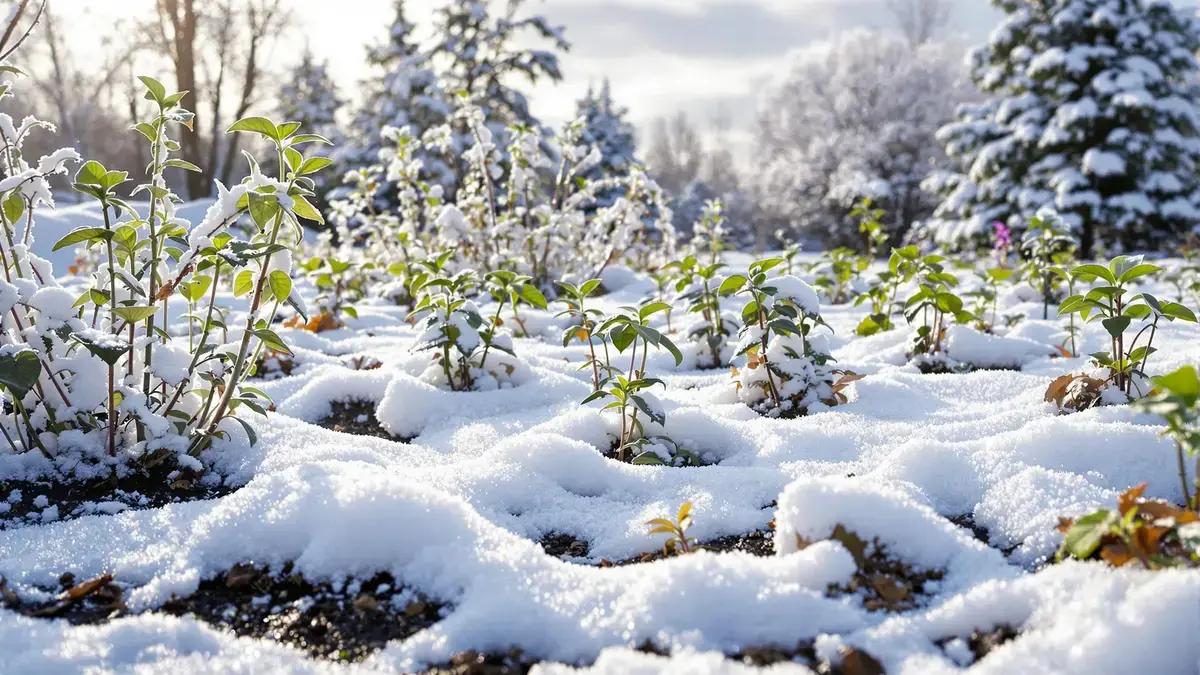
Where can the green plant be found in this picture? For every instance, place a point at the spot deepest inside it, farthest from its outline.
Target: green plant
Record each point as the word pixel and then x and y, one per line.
pixel 882 294
pixel 933 300
pixel 841 269
pixel 677 541
pixel 1110 304
pixel 986 294
pixel 338 282
pixel 1045 246
pixel 513 288
pixel 626 331
pixel 1175 398
pixel 1153 533
pixel 448 321
pixel 786 371
pixel 871 226
pixel 584 327
pixel 709 234
pixel 697 285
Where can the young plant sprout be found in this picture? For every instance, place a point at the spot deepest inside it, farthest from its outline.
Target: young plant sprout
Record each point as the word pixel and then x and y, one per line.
pixel 1045 247
pixel 698 285
pixel 583 328
pixel 933 301
pixel 677 542
pixel 870 225
pixel 627 331
pixel 1111 303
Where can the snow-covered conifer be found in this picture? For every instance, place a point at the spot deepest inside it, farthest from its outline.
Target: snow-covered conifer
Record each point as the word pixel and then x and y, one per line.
pixel 1093 114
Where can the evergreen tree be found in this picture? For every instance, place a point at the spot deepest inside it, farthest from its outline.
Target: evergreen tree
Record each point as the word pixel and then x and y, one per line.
pixel 402 92
pixel 310 97
pixel 477 56
pixel 1093 114
pixel 607 129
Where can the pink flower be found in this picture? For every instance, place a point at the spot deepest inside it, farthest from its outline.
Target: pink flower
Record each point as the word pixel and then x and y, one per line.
pixel 1002 235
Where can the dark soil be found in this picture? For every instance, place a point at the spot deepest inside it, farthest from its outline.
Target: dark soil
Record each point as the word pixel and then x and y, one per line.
pixel 147 489
pixel 357 418
pixel 983 642
pixel 564 545
pixel 345 622
pixel 967 522
pixel 760 543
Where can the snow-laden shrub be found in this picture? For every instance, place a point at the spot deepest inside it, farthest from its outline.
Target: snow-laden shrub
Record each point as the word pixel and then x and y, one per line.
pixel 102 376
pixel 518 209
pixel 788 368
pixel 469 352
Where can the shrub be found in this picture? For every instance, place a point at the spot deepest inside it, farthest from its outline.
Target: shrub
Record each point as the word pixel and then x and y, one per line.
pixel 787 368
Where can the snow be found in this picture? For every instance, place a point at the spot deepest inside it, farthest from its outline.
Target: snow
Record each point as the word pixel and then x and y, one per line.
pixel 455 512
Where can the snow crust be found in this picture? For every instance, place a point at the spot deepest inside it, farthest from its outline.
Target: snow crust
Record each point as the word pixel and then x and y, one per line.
pixel 456 513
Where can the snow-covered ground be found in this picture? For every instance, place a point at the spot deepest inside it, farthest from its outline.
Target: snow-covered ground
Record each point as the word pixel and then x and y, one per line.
pixel 456 515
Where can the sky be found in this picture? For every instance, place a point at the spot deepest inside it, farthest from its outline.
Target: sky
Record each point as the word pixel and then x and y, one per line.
pixel 700 56
pixel 661 55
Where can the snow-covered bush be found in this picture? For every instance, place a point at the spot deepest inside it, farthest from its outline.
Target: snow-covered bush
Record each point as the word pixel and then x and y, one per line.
pixel 787 368
pixel 1093 113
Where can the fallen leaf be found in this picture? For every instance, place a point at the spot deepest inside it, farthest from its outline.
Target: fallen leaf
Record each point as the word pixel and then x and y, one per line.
pixel 858 662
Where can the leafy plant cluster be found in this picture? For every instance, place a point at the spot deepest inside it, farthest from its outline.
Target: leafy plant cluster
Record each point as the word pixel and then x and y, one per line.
pixel 103 374
pixel 1113 303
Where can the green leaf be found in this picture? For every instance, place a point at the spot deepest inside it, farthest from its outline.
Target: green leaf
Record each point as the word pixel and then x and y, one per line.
pixel 651 309
pixel 14 207
pixel 1175 310
pixel 243 283
pixel 181 164
pixel 19 372
pixel 531 295
pixel 1136 271
pixel 263 208
pixel 155 91
pixel 1184 382
pixel 136 313
pixel 246 426
pixel 1116 325
pixel 280 284
pixel 732 285
pixel 309 138
pixel 82 234
pixel 91 173
pixel 313 165
pixel 1093 271
pixel 107 348
pixel 306 210
pixel 1085 535
pixel 256 125
pixel 271 339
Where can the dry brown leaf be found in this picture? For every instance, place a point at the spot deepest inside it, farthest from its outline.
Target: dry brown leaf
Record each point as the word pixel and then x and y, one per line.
pixel 888 588
pixel 87 588
pixel 858 662
pixel 853 543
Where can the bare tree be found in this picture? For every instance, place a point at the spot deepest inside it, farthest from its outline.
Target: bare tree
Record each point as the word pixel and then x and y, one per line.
pixel 920 20
pixel 676 155
pixel 241 33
